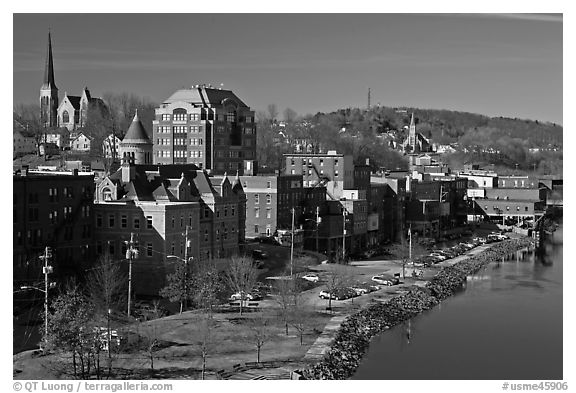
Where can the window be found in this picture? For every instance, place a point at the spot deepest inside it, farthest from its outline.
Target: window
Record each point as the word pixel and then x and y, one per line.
pixel 232 211
pixel 65 117
pixel 248 119
pixel 268 199
pixel 231 116
pixel 225 211
pixel 268 213
pixel 268 184
pixel 256 198
pixel 123 221
pixel 165 117
pixel 111 220
pixel 111 249
pixel 172 248
pixel 525 208
pixel 149 249
pixel 98 220
pixel 517 208
pixel 179 129
pixel 173 222
pixel 256 229
pixel 206 212
pixel 205 235
pixel 257 212
pixel 321 162
pixel 268 231
pixel 136 223
pixel 149 222
pixel 180 115
pixel 195 117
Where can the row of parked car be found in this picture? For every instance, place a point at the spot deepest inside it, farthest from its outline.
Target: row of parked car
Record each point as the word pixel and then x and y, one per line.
pixel 348 292
pixel 440 255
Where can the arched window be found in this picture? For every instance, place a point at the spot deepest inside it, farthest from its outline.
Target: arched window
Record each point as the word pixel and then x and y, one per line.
pixel 65 117
pixel 180 114
pixel 107 194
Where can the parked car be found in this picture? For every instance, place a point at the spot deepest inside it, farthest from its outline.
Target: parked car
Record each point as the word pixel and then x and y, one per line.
pixel 324 294
pixel 259 254
pixel 385 280
pixel 359 290
pixel 344 293
pixel 311 277
pixel 268 240
pixel 367 286
pixel 438 256
pixel 263 288
pixel 241 296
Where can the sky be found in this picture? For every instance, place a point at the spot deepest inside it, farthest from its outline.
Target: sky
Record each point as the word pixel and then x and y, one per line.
pixel 493 64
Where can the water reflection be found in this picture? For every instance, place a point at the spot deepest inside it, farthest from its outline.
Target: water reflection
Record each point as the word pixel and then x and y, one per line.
pixel 505 313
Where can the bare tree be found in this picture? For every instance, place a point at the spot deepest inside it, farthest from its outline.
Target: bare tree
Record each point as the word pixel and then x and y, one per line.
pixel 150 339
pixel 206 339
pixel 272 112
pixel 290 115
pixel 28 118
pixel 106 283
pixel 285 289
pixel 260 332
pixel 209 286
pixel 338 276
pixel 299 319
pixel 241 276
pixel 406 255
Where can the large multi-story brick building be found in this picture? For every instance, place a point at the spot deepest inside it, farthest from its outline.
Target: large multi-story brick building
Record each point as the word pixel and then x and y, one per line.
pixel 159 205
pixel 269 203
pixel 51 209
pixel 211 128
pixel 332 170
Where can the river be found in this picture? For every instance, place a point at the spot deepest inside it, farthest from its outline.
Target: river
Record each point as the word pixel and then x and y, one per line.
pixel 505 324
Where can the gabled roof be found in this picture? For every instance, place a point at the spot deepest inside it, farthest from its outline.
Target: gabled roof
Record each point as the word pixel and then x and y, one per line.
pixel 75 101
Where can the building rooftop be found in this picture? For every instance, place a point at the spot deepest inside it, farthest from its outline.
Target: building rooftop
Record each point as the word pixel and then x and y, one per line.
pixel 204 96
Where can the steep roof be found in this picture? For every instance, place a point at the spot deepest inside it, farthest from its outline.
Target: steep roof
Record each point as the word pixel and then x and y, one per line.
pixel 136 132
pixel 75 101
pixel 204 96
pixel 48 81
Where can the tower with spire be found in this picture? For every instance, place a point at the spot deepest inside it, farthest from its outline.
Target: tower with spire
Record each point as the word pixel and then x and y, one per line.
pixel 412 134
pixel 136 147
pixel 49 92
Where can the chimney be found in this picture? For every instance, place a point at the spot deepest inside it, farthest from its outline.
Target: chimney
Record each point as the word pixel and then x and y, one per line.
pixel 128 170
pixel 24 170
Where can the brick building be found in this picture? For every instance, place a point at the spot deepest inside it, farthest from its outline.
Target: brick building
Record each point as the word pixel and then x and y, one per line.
pixel 159 204
pixel 51 209
pixel 211 128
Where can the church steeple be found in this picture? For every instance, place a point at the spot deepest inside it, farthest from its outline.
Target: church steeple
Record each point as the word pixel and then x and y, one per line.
pixel 49 91
pixel 49 67
pixel 412 134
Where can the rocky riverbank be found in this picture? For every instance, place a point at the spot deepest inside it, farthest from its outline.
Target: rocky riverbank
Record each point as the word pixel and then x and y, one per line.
pixel 355 333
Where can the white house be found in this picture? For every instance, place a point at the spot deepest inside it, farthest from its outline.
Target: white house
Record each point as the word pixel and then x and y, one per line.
pixel 81 142
pixel 110 142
